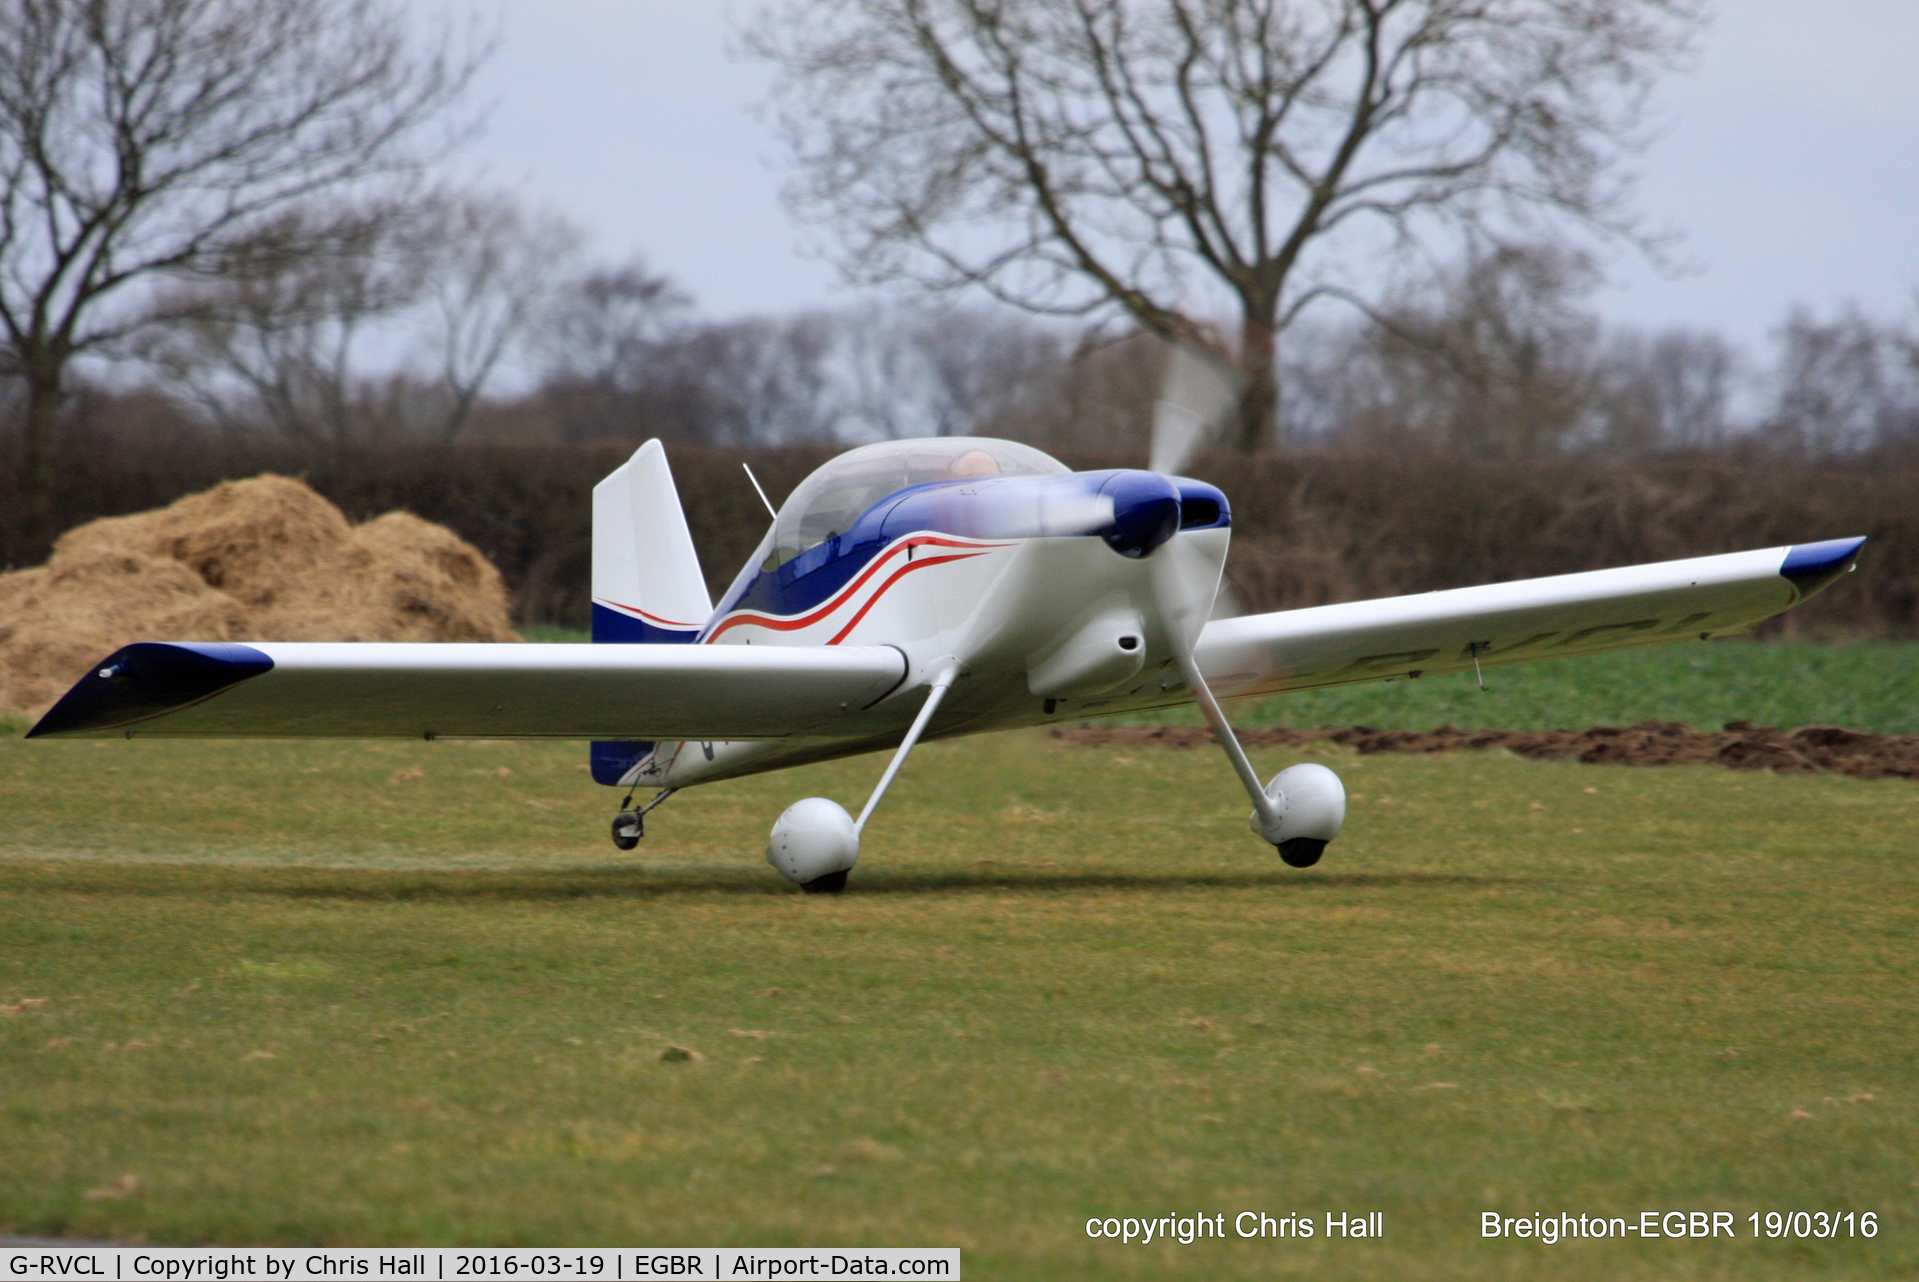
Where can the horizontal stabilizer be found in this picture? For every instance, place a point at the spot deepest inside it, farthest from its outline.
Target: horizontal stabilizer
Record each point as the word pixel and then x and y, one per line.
pixel 1509 623
pixel 619 692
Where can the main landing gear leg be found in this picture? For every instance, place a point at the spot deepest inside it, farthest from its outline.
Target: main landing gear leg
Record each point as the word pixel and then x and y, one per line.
pixel 815 843
pixel 1303 806
pixel 630 824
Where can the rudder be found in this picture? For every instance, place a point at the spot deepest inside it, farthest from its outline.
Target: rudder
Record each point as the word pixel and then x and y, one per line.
pixel 647 585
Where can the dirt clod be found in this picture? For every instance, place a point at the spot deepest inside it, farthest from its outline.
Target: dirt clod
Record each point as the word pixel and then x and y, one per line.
pixel 264 559
pixel 1741 745
pixel 869 1150
pixel 126 1186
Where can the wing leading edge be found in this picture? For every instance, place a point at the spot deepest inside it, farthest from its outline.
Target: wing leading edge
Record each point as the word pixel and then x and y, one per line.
pixel 1508 623
pixel 309 689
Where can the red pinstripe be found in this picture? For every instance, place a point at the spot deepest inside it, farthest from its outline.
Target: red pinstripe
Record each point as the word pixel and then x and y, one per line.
pixel 651 618
pixel 895 577
pixel 845 593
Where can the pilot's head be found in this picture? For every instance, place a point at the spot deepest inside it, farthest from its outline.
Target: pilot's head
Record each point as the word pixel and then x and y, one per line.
pixel 975 463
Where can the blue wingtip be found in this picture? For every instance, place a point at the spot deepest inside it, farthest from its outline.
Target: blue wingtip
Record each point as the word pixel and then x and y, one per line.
pixel 1812 566
pixel 142 680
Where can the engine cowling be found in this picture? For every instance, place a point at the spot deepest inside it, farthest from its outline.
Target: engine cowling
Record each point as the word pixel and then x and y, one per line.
pixel 1104 652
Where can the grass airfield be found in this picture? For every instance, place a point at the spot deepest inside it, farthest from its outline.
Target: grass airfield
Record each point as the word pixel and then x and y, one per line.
pixel 398 992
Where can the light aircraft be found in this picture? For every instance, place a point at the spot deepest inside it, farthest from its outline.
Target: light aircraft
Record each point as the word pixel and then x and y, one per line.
pixel 922 589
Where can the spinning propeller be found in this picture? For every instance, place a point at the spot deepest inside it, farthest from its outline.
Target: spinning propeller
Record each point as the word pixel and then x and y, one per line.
pixel 1304 806
pixel 1199 393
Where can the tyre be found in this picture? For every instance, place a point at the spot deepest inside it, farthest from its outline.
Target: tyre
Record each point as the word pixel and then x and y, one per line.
pixel 627 830
pixel 831 884
pixel 1301 852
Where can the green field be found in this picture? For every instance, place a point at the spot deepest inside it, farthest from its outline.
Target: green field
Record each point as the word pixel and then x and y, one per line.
pixel 1860 685
pixel 386 993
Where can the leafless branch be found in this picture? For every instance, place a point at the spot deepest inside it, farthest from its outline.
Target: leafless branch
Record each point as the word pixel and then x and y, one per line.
pixel 1073 156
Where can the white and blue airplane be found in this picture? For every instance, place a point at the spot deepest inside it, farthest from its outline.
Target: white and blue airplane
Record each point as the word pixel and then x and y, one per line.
pixel 909 590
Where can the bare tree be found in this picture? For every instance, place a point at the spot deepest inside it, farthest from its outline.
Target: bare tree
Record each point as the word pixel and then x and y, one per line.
pixel 140 138
pixel 1844 385
pixel 494 275
pixel 901 368
pixel 602 346
pixel 1673 390
pixel 277 335
pixel 1494 359
pixel 991 375
pixel 763 380
pixel 1146 157
pixel 604 322
pixel 887 370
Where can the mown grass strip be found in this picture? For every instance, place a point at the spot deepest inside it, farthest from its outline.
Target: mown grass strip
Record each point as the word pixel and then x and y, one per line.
pixel 306 994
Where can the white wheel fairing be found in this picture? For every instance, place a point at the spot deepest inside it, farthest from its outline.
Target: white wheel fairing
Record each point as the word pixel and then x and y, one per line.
pixel 1311 802
pixel 1316 800
pixel 813 838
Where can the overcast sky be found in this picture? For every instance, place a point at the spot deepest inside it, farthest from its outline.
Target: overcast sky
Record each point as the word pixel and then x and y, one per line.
pixel 1790 160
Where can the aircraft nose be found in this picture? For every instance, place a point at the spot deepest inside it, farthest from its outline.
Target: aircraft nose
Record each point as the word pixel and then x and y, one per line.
pixel 1145 512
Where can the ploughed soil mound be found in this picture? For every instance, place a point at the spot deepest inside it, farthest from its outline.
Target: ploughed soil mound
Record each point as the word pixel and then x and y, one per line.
pixel 1650 743
pixel 264 559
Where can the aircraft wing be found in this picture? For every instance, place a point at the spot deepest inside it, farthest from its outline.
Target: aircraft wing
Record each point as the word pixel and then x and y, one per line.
pixel 624 692
pixel 1507 623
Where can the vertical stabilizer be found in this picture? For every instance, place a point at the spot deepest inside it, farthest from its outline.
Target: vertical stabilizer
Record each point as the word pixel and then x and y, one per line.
pixel 647 585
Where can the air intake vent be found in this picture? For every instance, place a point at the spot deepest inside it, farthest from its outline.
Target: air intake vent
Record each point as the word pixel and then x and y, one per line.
pixel 1195 511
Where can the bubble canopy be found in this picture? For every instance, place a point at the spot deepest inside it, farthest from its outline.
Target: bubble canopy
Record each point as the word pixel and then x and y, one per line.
pixel 830 500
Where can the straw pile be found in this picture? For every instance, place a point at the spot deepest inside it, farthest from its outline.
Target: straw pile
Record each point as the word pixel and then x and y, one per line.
pixel 264 559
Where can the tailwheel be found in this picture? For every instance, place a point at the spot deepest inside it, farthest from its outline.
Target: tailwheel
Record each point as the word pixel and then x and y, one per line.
pixel 628 828
pixel 831 884
pixel 630 824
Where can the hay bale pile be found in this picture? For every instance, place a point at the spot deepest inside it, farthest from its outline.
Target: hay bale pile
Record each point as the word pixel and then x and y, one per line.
pixel 264 559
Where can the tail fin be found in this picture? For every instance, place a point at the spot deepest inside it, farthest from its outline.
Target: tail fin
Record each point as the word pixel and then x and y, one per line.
pixel 647 585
